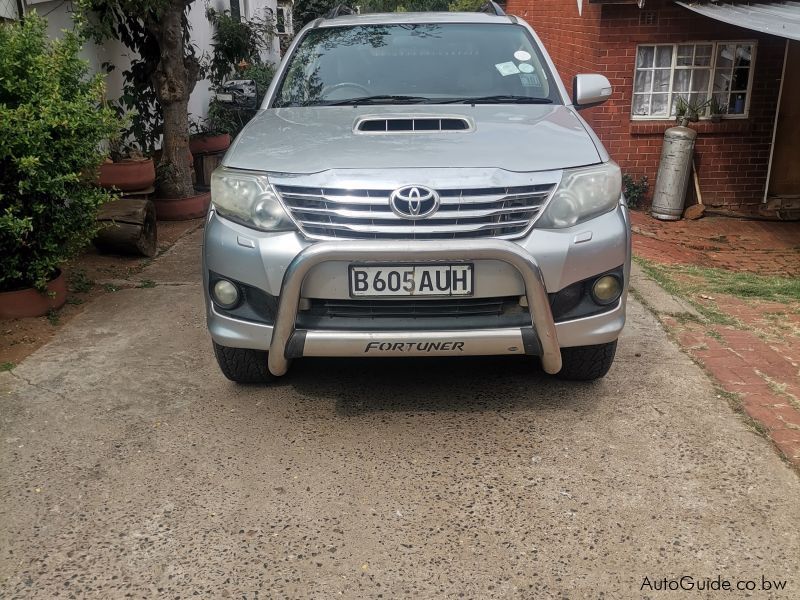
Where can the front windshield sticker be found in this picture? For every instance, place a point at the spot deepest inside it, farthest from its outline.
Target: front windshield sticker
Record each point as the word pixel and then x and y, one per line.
pixel 522 55
pixel 507 68
pixel 526 68
pixel 529 80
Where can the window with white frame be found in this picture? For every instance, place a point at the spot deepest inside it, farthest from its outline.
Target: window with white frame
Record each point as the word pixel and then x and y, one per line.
pixel 283 21
pixel 697 72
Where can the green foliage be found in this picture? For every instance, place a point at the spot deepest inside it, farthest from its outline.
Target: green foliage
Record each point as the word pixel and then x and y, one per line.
pixel 690 110
pixel 51 126
pixel 79 282
pixel 222 119
pixel 236 41
pixel 53 317
pixel 160 80
pixel 237 55
pixel 380 6
pixel 466 5
pixel 634 191
pixel 138 105
pixel 306 11
pixel 6 366
pixel 716 107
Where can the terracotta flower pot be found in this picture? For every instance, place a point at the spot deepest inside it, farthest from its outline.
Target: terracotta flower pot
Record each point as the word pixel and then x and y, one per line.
pixel 182 209
pixel 206 144
pixel 30 302
pixel 128 175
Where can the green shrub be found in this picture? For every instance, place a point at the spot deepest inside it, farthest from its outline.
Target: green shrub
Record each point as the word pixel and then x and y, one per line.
pixel 466 5
pixel 634 191
pixel 51 129
pixel 222 119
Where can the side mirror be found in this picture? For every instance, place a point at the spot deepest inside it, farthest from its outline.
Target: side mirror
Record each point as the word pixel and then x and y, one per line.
pixel 590 90
pixel 238 94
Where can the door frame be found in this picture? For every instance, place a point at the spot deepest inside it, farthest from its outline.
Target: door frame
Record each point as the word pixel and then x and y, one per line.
pixel 775 123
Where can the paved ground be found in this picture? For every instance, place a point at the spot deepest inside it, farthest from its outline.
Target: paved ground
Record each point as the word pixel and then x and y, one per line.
pixel 754 354
pixel 130 467
pixel 764 247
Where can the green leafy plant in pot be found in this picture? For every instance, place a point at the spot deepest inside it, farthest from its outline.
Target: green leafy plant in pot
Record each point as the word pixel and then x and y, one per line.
pixel 127 170
pixel 52 126
pixel 690 111
pixel 208 136
pixel 717 109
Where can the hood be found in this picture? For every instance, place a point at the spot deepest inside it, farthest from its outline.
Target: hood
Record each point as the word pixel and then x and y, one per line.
pixel 511 137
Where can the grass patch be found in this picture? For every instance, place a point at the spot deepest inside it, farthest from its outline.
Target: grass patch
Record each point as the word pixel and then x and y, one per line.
pixel 735 402
pixel 110 287
pixel 146 283
pixel 52 317
pixel 713 333
pixel 688 281
pixel 665 276
pixel 79 283
pixel 692 279
pixel 687 317
pixel 6 366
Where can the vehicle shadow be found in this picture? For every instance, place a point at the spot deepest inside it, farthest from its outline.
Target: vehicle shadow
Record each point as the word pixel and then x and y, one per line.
pixel 470 384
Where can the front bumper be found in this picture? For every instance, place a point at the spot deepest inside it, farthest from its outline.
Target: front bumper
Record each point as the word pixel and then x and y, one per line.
pixel 285 265
pixel 413 251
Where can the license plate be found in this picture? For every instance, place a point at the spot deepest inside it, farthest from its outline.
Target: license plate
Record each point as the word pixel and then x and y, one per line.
pixel 411 280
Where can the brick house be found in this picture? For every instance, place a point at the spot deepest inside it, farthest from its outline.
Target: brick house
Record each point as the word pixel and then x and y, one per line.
pixel 749 161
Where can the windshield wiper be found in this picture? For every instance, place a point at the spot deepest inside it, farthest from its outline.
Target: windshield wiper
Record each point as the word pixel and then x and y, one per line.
pixel 499 99
pixel 384 99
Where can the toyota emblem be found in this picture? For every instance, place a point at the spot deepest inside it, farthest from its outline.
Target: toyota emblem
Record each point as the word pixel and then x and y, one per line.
pixel 414 202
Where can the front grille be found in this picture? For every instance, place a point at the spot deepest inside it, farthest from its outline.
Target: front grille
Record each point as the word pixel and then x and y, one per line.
pixel 499 212
pixel 415 309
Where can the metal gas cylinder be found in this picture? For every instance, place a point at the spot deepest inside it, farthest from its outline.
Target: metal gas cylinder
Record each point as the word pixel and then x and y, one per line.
pixel 674 171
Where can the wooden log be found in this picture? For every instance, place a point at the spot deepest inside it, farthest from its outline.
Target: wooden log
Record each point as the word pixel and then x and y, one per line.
pixel 204 164
pixel 127 227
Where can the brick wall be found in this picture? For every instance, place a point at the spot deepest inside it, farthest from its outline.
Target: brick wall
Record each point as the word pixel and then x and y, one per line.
pixel 732 156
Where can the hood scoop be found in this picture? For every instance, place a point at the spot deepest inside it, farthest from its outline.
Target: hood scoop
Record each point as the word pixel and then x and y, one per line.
pixel 415 124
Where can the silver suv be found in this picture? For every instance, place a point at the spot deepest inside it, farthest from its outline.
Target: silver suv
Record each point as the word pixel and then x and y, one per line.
pixel 418 184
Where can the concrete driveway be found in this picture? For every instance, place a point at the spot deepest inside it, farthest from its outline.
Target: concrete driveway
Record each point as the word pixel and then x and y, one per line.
pixel 131 468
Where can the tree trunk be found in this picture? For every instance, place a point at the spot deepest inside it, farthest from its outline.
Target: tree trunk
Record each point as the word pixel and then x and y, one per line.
pixel 174 178
pixel 173 80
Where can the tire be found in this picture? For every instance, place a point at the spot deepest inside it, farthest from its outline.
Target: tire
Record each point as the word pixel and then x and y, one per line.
pixel 243 365
pixel 586 363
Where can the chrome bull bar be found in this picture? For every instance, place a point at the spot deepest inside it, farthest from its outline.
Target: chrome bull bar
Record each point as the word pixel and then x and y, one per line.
pixel 411 251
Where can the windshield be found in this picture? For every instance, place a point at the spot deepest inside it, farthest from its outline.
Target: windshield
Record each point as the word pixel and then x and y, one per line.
pixel 426 63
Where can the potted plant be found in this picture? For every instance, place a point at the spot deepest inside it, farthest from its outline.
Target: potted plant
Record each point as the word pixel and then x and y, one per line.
pixel 208 137
pixel 164 72
pixel 717 109
pixel 127 170
pixel 689 111
pixel 52 124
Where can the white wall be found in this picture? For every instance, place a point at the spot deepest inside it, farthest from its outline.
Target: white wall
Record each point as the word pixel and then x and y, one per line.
pixel 59 18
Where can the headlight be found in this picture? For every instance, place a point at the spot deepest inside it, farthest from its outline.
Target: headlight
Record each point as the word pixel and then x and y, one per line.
pixel 582 194
pixel 248 199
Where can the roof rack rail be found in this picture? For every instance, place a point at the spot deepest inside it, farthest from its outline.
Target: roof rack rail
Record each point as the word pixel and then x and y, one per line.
pixel 492 8
pixel 340 10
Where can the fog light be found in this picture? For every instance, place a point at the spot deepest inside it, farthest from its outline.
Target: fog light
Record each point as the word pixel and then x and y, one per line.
pixel 225 293
pixel 606 290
